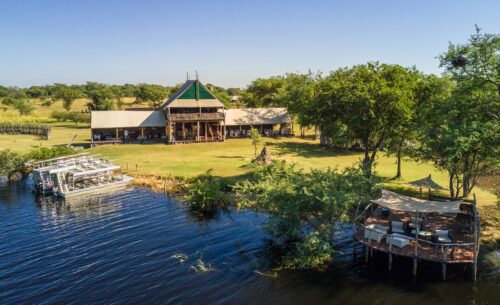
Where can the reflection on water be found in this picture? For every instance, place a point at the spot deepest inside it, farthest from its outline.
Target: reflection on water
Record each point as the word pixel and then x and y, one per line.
pixel 134 247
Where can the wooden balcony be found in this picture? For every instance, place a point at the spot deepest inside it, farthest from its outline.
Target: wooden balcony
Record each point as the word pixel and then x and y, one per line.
pixel 190 117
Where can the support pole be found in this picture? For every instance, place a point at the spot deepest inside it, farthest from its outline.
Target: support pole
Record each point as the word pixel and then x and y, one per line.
pixel 443 271
pixel 371 252
pixel 366 254
pixel 142 132
pixel 415 267
pixel 183 131
pixel 206 130
pixel 116 133
pixel 390 262
pixel 198 130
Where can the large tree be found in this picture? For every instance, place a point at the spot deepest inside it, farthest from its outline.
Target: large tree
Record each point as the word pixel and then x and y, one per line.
pixel 478 60
pixel 263 92
pixel 100 95
pixel 154 95
pixel 371 101
pixel 461 130
pixel 68 95
pixel 297 94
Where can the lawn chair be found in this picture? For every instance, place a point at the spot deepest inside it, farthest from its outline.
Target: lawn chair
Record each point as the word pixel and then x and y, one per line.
pixel 397 227
pixel 398 240
pixel 375 232
pixel 443 236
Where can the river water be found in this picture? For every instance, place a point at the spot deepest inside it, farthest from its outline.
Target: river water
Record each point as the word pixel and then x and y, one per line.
pixel 133 247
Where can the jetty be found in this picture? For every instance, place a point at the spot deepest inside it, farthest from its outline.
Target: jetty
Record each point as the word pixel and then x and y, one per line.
pixel 437 230
pixel 76 175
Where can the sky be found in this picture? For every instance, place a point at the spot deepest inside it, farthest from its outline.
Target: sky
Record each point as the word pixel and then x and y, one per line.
pixel 229 43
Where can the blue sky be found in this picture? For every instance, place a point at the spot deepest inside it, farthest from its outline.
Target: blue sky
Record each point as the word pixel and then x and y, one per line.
pixel 230 43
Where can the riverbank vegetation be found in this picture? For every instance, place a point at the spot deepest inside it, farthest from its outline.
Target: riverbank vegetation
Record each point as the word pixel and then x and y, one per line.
pixel 304 207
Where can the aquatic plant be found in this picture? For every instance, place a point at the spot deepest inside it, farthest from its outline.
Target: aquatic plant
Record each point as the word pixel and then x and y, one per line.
pixel 181 257
pixel 200 266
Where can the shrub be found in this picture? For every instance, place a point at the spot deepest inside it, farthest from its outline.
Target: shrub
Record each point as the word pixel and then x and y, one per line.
pixel 207 193
pixel 303 207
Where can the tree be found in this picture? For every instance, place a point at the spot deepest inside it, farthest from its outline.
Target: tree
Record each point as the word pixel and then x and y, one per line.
pixel 68 95
pixel 263 92
pixel 461 131
pixel 23 107
pixel 10 163
pixel 100 95
pixel 4 91
pixel 478 60
pixel 256 139
pixel 371 100
pixel 457 132
pixel 154 95
pixel 297 94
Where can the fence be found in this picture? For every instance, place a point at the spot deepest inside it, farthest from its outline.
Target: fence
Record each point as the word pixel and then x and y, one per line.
pixel 33 129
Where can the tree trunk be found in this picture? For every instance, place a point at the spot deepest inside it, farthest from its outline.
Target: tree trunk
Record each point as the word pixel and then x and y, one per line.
pixel 452 189
pixel 367 163
pixel 400 148
pixel 466 177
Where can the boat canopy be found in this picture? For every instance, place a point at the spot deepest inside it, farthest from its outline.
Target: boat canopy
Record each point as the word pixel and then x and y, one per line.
pixel 399 202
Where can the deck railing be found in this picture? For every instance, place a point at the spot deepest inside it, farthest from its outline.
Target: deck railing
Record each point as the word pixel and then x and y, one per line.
pixel 186 117
pixel 446 248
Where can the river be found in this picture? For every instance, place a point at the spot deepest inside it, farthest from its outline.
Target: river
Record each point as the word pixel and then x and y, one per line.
pixel 135 247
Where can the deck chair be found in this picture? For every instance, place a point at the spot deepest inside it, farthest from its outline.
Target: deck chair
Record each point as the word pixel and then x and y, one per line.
pixel 398 240
pixel 443 236
pixel 397 227
pixel 375 232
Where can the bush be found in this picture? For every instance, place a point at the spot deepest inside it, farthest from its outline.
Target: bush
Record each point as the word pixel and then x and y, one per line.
pixel 73 116
pixel 303 207
pixel 207 194
pixel 15 162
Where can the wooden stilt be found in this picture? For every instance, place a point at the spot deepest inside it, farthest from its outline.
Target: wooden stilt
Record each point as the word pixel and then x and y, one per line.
pixel 371 252
pixel 474 271
pixel 390 261
pixel 443 271
pixel 366 254
pixel 415 267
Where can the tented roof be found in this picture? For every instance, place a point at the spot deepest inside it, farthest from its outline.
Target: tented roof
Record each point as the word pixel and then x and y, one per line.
pixel 192 94
pixel 127 119
pixel 256 116
pixel 426 182
pixel 399 202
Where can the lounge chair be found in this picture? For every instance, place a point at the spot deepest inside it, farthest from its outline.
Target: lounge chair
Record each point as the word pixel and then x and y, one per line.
pixel 443 236
pixel 375 232
pixel 397 227
pixel 398 240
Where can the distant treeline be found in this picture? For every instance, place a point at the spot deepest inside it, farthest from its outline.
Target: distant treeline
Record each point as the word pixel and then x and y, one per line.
pixel 101 96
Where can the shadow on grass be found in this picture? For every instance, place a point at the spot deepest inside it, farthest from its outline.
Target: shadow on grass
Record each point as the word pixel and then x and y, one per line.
pixel 306 150
pixel 71 126
pixel 230 157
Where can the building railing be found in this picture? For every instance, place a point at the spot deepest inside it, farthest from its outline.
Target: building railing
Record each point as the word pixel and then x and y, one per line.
pixel 185 117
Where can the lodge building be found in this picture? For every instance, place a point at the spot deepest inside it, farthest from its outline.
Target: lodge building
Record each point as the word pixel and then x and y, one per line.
pixel 192 114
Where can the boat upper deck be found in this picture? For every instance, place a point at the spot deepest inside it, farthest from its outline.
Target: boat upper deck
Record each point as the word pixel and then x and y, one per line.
pixel 77 165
